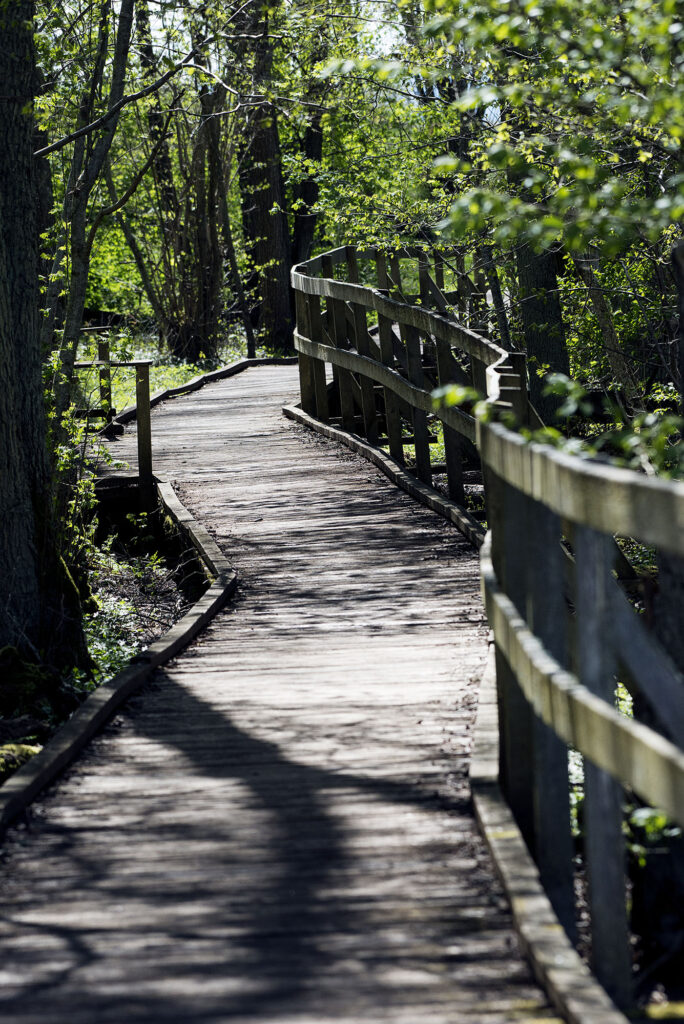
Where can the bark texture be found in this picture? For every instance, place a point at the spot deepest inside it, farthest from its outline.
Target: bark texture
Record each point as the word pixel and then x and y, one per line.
pixel 542 324
pixel 264 209
pixel 38 608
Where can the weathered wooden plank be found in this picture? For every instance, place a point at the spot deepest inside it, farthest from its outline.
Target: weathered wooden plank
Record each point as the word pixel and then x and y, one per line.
pixel 279 829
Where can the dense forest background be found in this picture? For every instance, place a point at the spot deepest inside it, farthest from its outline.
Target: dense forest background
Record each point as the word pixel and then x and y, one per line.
pixel 163 167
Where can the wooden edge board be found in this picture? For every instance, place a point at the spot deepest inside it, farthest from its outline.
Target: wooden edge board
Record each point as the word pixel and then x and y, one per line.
pixel 129 413
pixel 62 749
pixel 449 510
pixel 559 969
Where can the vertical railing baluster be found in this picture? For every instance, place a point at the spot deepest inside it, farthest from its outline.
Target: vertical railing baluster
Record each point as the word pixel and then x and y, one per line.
pixel 452 449
pixel 105 372
pixel 421 433
pixel 306 376
pixel 143 416
pixel 337 328
pixel 439 270
pixel 370 422
pixel 520 401
pixel 547 617
pixel 512 526
pixel 314 320
pixel 603 841
pixel 385 330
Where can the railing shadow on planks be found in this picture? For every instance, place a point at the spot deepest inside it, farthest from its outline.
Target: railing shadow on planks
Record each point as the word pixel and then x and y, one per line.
pixel 564 628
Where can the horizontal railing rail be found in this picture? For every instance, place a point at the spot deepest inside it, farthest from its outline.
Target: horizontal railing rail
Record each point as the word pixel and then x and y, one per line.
pixel 566 632
pixel 388 355
pixel 564 639
pixel 104 367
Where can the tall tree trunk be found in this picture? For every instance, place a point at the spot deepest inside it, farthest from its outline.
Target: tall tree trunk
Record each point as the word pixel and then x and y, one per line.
pixel 39 608
pixel 542 318
pixel 264 211
pixel 220 175
pixel 609 338
pixel 306 194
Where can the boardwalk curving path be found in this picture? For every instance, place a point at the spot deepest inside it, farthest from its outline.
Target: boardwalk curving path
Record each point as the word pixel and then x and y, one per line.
pixel 277 828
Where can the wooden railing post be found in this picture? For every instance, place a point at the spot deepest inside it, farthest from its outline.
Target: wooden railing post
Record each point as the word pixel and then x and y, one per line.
pixel 370 422
pixel 385 330
pixel 142 398
pixel 307 386
pixel 105 373
pixel 410 338
pixel 511 525
pixel 603 798
pixel 547 617
pixel 439 269
pixel 452 448
pixel 421 434
pixel 313 304
pixel 338 335
pixel 519 399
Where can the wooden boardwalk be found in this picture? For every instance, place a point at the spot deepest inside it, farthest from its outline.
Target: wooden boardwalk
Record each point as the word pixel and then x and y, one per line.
pixel 277 829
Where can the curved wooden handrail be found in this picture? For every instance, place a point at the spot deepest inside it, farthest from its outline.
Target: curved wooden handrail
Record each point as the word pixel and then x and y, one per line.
pixel 564 628
pixel 595 494
pixel 409 338
pixel 417 397
pixel 630 752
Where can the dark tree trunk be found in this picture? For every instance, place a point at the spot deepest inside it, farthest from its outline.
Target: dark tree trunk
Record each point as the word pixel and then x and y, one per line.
pixel 266 228
pixel 39 607
pixel 542 319
pixel 306 195
pixel 669 603
pixel 264 210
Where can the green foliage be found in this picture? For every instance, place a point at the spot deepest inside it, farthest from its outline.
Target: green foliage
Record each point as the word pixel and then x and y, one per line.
pixel 585 113
pixel 647 829
pixel 649 442
pixel 13 755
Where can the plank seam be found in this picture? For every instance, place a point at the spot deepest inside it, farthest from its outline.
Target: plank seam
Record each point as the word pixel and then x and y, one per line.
pixel 62 749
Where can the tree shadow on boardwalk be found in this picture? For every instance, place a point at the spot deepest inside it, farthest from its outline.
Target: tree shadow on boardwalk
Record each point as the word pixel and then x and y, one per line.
pixel 183 913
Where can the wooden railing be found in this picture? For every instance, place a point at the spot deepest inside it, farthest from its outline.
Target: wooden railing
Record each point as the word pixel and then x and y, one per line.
pixel 565 632
pixel 104 366
pixel 388 353
pixel 564 628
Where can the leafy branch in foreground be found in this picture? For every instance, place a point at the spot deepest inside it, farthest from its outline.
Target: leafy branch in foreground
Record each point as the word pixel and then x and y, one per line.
pixel 649 442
